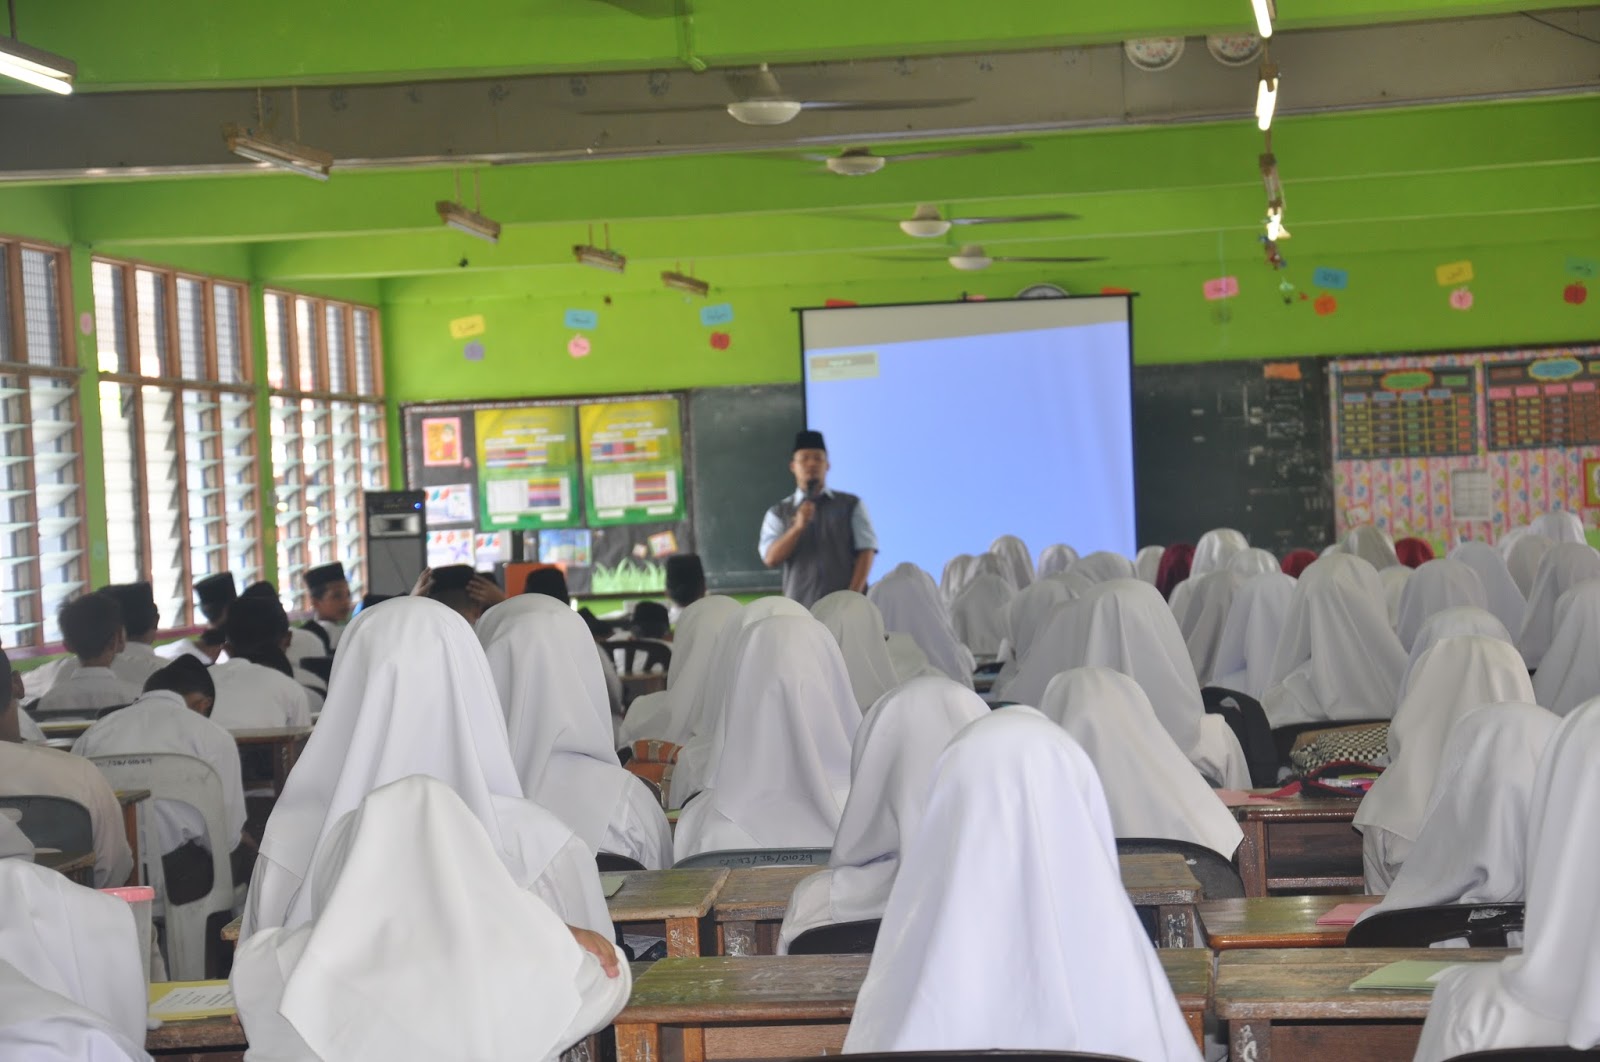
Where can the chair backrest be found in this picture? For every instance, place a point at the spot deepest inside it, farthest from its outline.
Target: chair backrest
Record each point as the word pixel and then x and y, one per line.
pixel 758 857
pixel 1284 736
pixel 841 938
pixel 1249 723
pixel 53 822
pixel 972 1056
pixel 636 657
pixel 611 863
pixel 1482 925
pixel 192 781
pixel 1217 877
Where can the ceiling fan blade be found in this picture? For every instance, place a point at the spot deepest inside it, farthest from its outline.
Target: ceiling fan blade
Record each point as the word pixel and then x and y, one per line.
pixel 881 105
pixel 1014 219
pixel 685 108
pixel 1031 258
pixel 956 153
pixel 925 259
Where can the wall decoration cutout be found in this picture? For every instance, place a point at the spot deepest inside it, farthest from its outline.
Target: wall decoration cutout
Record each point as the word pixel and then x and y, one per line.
pixel 1220 288
pixel 473 351
pixel 578 346
pixel 1461 299
pixel 721 341
pixel 721 313
pixel 1583 268
pixel 582 320
pixel 1325 305
pixel 1453 274
pixel 467 327
pixel 1332 279
pixel 1575 294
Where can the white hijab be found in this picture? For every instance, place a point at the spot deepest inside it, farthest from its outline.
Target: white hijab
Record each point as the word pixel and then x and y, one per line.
pixel 1215 550
pixel 781 759
pixel 1206 616
pixel 1506 600
pixel 1452 623
pixel 1251 562
pixel 75 942
pixel 1151 787
pixel 666 716
pixel 1394 581
pixel 1472 844
pixel 14 844
pixel 1054 559
pixel 1125 626
pixel 958 570
pixel 1250 634
pixel 1147 564
pixel 558 716
pixel 39 1025
pixel 979 614
pixel 1102 566
pixel 1563 567
pixel 410 693
pixel 1569 674
pixel 1558 526
pixel 1433 587
pixel 1454 677
pixel 418 944
pixel 908 659
pixel 1013 552
pixel 910 605
pixel 890 765
pixel 1372 544
pixel 1014 796
pixel 857 626
pixel 1338 658
pixel 1524 554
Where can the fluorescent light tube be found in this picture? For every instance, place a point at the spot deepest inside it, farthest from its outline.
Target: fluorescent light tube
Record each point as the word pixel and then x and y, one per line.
pixel 684 282
pixel 1266 98
pixel 1264 12
pixel 256 146
pixel 1275 229
pixel 600 258
pixel 36 67
pixel 470 222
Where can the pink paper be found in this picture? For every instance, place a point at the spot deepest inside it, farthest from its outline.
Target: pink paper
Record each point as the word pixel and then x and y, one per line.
pixel 1345 914
pixel 1237 797
pixel 1221 288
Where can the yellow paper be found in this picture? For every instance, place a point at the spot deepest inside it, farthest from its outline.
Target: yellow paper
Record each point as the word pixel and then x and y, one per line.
pixel 190 1000
pixel 1452 273
pixel 466 327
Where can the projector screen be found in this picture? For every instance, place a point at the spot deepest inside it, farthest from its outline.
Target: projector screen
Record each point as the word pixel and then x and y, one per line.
pixel 956 423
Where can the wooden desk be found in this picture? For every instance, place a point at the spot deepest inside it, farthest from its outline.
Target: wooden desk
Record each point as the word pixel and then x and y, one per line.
pixel 1274 922
pixel 1298 1003
pixel 284 743
pixel 76 866
pixel 678 901
pixel 67 729
pixel 1299 843
pixel 230 932
pixel 751 906
pixel 130 799
pixel 785 1006
pixel 203 1040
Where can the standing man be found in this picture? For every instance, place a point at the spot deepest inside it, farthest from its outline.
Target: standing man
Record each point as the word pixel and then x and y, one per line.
pixel 821 537
pixel 330 603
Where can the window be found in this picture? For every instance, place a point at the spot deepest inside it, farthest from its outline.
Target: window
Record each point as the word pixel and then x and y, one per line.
pixel 42 549
pixel 323 370
pixel 178 419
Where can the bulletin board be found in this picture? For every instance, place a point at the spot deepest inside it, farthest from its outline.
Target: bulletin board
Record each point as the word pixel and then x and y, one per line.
pixel 1457 446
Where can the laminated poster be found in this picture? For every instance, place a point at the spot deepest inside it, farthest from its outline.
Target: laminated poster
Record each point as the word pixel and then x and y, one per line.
pixel 527 467
pixel 633 462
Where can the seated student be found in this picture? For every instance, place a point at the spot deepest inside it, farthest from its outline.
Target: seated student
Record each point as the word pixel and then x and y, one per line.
pixel 412 871
pixel 1472 844
pixel 71 986
pixel 548 580
pixel 1434 587
pixel 668 714
pixel 910 603
pixel 140 618
pixel 255 687
pixel 780 757
pixel 1250 634
pixel 600 631
pixel 1008 926
pixel 650 622
pixel 1027 615
pixel 412 694
pixel 297 650
pixel 1151 787
pixel 173 716
pixel 1454 677
pixel 215 594
pixel 890 764
pixel 1562 568
pixel 1505 599
pixel 1549 995
pixel 91 626
pixel 1569 674
pixel 857 626
pixel 686 582
pixel 34 770
pixel 978 614
pixel 459 587
pixel 329 592
pixel 559 726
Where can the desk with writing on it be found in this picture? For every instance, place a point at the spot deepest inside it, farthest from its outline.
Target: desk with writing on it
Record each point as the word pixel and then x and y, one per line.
pixel 1274 921
pixel 130 799
pixel 1296 1004
pixel 282 746
pixel 1300 843
pixel 787 1006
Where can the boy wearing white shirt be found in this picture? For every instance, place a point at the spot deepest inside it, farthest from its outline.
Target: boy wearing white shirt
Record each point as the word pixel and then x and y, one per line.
pixel 140 618
pixel 91 625
pixel 255 688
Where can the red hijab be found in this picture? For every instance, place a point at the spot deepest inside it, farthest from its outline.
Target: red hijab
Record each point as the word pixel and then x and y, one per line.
pixel 1413 552
pixel 1174 568
pixel 1298 561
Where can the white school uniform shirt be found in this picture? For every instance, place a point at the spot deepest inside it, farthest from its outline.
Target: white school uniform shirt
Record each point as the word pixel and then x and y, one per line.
pixel 29 729
pixel 1151 788
pixel 1550 994
pixel 890 765
pixel 1206 616
pixel 1451 623
pixel 1505 598
pixel 558 722
pixel 253 696
pixel 87 690
pixel 1434 586
pixel 1147 563
pixel 1472 845
pixel 1015 801
pixel 1563 567
pixel 1569 674
pixel 1337 658
pixel 1454 677
pixel 1524 551
pixel 1054 560
pixel 1372 544
pixel 34 770
pixel 160 722
pixel 134 665
pixel 666 715
pixel 79 945
pixel 857 626
pixel 1013 553
pixel 410 887
pixel 303 644
pixel 411 693
pixel 910 604
pixel 1250 634
pixel 978 615
pixel 781 757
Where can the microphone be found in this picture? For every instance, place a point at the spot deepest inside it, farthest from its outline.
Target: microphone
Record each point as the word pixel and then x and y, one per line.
pixel 812 486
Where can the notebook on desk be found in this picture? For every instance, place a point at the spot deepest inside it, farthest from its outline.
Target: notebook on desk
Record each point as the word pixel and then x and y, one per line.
pixel 190 1000
pixel 1408 975
pixel 611 884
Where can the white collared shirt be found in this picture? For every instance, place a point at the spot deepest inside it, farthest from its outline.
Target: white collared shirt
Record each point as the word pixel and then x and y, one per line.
pixel 254 697
pixel 88 689
pixel 33 770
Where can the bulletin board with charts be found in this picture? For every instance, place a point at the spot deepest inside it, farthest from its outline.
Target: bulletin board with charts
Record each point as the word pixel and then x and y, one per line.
pixel 597 485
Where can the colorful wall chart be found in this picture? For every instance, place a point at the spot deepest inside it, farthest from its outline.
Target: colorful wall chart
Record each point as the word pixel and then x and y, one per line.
pixel 633 461
pixel 527 467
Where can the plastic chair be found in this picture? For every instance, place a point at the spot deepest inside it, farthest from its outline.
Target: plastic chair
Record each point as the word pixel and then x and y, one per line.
pixel 1483 925
pixel 739 858
pixel 191 781
pixel 970 1056
pixel 1283 737
pixel 626 655
pixel 611 863
pixel 841 938
pixel 53 822
pixel 1243 713
pixel 1217 877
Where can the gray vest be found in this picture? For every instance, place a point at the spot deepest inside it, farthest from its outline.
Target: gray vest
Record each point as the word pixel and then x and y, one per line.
pixel 825 557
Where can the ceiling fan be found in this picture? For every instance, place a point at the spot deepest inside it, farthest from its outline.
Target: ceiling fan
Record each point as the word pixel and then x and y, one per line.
pixel 762 101
pixel 926 222
pixel 972 258
pixel 860 161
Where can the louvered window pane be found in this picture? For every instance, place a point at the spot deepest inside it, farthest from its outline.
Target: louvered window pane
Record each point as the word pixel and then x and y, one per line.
pixel 191 330
pixel 230 343
pixel 57 494
pixel 122 474
pixel 19 597
pixel 365 355
pixel 111 317
pixel 275 313
pixel 164 505
pixel 338 356
pixel 7 347
pixel 151 299
pixel 305 318
pixel 41 305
